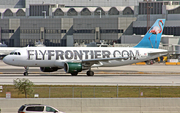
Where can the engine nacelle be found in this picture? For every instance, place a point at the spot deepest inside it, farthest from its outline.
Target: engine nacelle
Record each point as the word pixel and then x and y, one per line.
pixel 71 67
pixel 48 69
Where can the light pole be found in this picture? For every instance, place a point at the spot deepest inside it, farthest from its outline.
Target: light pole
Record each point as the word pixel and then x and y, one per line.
pixel 99 12
pixel 44 13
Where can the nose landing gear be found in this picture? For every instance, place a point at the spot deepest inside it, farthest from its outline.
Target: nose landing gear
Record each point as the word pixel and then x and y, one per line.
pixel 26 71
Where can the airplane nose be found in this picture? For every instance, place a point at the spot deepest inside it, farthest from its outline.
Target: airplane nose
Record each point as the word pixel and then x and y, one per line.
pixel 6 59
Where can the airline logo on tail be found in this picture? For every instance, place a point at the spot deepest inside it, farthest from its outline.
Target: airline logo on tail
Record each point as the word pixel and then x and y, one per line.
pixel 153 36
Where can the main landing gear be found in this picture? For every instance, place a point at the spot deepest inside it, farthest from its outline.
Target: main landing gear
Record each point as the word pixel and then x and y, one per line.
pixel 74 74
pixel 90 73
pixel 26 71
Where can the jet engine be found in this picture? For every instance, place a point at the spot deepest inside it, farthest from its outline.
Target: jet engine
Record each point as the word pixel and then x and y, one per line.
pixel 71 67
pixel 48 69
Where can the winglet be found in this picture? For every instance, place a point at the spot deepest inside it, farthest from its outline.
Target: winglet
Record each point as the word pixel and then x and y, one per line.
pixel 153 36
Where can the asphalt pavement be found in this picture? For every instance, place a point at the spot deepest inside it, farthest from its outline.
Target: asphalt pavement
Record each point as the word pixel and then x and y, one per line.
pixel 133 75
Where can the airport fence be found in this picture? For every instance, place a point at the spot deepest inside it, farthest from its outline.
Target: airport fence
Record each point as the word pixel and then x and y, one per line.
pixel 95 92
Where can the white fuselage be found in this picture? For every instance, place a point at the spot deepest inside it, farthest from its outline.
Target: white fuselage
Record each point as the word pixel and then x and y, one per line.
pixel 57 56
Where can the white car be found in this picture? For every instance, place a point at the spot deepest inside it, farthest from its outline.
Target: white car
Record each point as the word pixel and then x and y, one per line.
pixel 37 108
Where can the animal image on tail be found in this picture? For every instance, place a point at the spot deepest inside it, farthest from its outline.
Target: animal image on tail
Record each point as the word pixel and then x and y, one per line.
pixel 156 30
pixel 153 36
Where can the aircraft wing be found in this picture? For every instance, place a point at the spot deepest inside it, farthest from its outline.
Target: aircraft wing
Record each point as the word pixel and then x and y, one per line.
pixel 99 59
pixel 103 59
pixel 90 62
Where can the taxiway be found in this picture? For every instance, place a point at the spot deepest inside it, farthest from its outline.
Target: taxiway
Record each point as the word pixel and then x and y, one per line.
pixel 133 75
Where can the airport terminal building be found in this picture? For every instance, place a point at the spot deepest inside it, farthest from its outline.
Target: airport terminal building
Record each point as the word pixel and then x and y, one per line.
pixel 64 22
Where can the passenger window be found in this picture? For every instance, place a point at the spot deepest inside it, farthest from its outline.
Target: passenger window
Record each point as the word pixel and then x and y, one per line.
pixel 49 109
pixel 37 108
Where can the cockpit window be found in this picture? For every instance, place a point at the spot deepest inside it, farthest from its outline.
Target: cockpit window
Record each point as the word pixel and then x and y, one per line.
pixel 11 53
pixel 15 53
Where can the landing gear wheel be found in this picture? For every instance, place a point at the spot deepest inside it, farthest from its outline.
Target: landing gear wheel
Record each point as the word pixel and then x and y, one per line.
pixel 74 74
pixel 25 73
pixel 90 73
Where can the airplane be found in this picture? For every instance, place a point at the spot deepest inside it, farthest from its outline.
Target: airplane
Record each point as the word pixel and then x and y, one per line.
pixel 4 50
pixel 76 59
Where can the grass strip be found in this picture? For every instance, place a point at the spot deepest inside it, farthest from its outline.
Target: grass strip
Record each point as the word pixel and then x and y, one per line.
pixel 86 91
